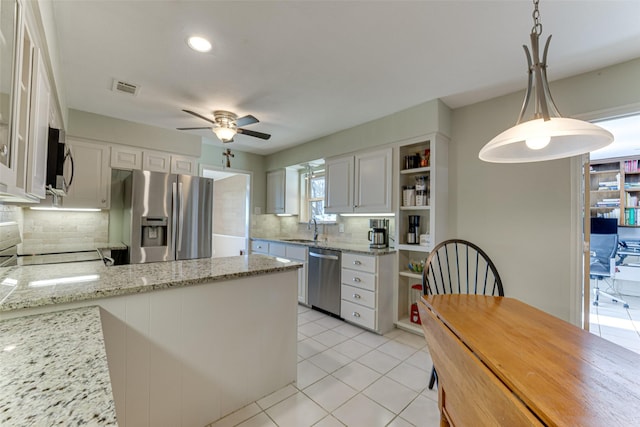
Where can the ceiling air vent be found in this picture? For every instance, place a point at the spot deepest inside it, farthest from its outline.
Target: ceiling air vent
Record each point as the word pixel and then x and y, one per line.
pixel 124 87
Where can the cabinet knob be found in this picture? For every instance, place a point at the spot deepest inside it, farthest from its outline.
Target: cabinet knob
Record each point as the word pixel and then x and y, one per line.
pixel 356 279
pixel 356 296
pixel 4 150
pixel 356 262
pixel 355 314
pixel 104 200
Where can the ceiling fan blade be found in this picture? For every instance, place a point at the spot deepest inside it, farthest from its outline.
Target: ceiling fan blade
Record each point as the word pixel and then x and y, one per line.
pixel 246 120
pixel 254 133
pixel 193 113
pixel 206 127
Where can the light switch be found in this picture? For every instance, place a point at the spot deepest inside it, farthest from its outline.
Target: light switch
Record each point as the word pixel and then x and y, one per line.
pixel 341 228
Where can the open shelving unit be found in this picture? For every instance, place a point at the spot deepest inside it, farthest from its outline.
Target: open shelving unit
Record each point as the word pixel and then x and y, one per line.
pixel 433 215
pixel 615 190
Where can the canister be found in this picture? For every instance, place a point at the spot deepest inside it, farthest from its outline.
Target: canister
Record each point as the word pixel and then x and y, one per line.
pixel 409 196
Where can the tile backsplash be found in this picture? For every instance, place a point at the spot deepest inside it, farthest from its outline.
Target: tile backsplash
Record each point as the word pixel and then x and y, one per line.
pixel 355 228
pixel 50 231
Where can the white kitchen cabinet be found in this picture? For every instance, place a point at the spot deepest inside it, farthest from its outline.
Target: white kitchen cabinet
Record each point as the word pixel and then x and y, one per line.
pixel 156 161
pixel 39 130
pixel 131 158
pixel 126 158
pixel 283 191
pixel 259 247
pixel 91 175
pixel 338 181
pixel 360 184
pixel 367 290
pixel 11 13
pixel 298 253
pixel 184 165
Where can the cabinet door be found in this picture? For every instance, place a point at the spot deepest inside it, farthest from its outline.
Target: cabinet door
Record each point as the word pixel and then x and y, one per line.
pixel 91 176
pixel 8 50
pixel 275 191
pixel 339 185
pixel 184 165
pixel 373 182
pixel 302 284
pixel 126 158
pixel 156 162
pixel 39 133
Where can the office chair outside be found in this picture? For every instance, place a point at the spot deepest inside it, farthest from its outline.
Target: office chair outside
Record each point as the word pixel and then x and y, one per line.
pixel 459 267
pixel 602 266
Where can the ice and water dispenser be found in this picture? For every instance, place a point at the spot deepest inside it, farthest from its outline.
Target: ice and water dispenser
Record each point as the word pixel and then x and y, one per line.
pixel 154 231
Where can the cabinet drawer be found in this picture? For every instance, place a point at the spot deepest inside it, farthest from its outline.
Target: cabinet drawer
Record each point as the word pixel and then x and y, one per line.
pixel 298 253
pixel 358 314
pixel 359 262
pixel 359 279
pixel 358 296
pixel 260 247
pixel 276 249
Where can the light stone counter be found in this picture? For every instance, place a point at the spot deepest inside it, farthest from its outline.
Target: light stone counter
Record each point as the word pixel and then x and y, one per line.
pixel 361 248
pixel 42 285
pixel 53 370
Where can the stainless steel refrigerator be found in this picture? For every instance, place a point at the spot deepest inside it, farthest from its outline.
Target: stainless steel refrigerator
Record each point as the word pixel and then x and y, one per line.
pixel 167 217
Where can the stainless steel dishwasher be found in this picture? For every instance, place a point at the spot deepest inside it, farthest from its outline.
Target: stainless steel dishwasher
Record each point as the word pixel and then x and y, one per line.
pixel 324 280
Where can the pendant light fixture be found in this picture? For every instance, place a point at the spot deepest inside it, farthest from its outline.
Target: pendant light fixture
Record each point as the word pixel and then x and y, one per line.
pixel 545 135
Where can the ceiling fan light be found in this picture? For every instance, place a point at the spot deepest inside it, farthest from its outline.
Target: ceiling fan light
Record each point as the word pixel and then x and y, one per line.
pixel 224 134
pixel 567 137
pixel 199 44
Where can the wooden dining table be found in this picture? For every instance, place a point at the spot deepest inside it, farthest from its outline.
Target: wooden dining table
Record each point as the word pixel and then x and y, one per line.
pixel 501 362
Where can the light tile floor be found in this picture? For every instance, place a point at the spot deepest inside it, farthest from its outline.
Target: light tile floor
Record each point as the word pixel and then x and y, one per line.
pixel 613 322
pixel 348 377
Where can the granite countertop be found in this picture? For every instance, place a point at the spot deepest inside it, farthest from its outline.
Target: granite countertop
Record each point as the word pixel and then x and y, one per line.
pixel 362 248
pixel 41 285
pixel 53 370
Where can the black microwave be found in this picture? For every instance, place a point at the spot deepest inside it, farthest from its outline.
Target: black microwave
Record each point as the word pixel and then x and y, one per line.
pixel 58 154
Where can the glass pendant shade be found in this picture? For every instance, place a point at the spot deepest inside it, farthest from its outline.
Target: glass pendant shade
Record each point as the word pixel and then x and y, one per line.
pixel 225 134
pixel 567 137
pixel 546 135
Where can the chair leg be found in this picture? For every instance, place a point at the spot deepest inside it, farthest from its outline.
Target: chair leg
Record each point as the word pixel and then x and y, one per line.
pixel 433 379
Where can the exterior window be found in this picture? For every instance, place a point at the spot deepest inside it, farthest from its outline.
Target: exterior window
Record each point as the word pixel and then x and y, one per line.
pixel 313 205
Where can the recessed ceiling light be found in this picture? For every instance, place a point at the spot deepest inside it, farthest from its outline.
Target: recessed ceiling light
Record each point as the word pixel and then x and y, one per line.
pixel 199 44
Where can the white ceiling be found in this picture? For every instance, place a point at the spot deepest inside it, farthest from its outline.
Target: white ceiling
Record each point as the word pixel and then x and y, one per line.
pixel 310 68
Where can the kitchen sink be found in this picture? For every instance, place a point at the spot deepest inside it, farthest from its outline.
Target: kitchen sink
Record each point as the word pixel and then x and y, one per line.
pixel 300 240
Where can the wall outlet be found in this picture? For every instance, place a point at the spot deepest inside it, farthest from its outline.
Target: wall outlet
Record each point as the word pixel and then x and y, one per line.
pixel 340 228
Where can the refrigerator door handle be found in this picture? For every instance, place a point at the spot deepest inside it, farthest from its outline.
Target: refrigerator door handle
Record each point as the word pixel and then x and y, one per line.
pixel 174 219
pixel 181 217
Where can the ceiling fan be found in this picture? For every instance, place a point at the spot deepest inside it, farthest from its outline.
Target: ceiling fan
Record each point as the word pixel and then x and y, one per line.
pixel 227 124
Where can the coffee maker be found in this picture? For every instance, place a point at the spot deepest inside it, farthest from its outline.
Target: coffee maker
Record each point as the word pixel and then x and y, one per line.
pixel 413 234
pixel 379 233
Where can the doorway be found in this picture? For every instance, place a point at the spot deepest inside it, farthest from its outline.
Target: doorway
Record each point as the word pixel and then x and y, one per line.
pixel 612 190
pixel 231 200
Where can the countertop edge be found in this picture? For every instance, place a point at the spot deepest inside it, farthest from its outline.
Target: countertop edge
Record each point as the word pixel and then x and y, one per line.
pixel 343 247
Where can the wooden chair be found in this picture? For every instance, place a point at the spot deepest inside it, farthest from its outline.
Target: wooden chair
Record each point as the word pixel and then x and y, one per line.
pixel 459 267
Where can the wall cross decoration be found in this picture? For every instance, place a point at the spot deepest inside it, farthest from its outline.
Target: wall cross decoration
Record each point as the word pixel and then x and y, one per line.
pixel 228 155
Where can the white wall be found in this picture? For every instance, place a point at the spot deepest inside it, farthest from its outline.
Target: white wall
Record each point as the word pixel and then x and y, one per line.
pixel 522 214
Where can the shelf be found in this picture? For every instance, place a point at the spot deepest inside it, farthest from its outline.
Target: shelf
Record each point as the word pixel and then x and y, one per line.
pixel 411 275
pixel 605 191
pixel 604 172
pixel 632 189
pixel 632 173
pixel 604 207
pixel 414 208
pixel 415 170
pixel 415 248
pixel 406 325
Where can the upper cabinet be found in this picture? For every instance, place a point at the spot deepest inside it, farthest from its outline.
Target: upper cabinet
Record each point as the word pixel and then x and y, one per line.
pixel 90 187
pixel 361 183
pixel 25 101
pixel 130 158
pixel 282 191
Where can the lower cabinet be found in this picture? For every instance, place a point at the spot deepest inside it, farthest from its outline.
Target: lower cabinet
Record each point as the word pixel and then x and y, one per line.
pixel 367 291
pixel 296 253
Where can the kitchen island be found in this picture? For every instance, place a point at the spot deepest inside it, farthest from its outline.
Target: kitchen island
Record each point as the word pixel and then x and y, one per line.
pixel 187 342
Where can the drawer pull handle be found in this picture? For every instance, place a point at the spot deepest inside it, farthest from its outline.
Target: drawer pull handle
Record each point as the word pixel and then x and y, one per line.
pixel 356 296
pixel 356 262
pixel 357 279
pixel 355 314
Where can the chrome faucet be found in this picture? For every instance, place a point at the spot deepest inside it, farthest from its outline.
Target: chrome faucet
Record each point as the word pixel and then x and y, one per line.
pixel 315 228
